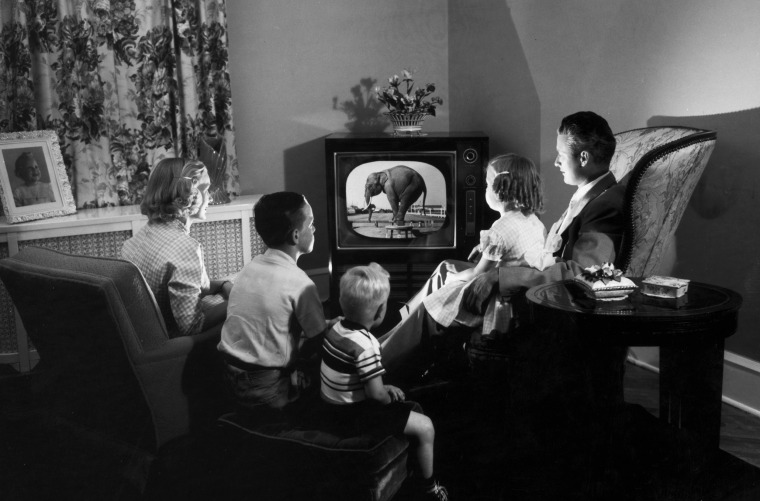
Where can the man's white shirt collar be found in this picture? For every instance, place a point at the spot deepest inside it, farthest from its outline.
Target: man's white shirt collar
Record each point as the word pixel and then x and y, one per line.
pixel 583 190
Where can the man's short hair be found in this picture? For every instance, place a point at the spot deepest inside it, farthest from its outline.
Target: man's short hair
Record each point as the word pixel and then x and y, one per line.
pixel 364 287
pixel 587 131
pixel 278 214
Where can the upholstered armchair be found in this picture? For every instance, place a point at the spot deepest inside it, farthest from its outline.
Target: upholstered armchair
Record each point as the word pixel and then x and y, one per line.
pixel 108 372
pixel 661 167
pixel 158 408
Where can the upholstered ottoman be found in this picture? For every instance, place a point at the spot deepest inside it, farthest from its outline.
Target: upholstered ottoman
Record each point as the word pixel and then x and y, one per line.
pixel 280 461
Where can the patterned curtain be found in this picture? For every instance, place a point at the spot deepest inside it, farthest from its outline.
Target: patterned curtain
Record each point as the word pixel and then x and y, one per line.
pixel 124 83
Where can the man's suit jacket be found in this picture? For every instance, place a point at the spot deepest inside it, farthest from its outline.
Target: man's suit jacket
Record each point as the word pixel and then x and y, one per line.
pixel 594 236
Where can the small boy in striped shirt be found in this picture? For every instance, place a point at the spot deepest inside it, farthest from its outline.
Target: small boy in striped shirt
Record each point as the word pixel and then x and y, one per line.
pixel 352 374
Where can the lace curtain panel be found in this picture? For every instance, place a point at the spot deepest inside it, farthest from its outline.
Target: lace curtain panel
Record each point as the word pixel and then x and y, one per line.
pixel 124 83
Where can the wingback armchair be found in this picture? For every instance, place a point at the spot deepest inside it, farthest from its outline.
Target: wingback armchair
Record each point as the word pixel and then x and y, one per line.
pixel 661 167
pixel 108 369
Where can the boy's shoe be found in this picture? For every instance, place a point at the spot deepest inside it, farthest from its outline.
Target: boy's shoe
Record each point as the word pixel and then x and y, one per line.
pixel 437 493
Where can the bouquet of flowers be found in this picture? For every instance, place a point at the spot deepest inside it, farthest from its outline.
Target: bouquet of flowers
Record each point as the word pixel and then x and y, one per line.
pixel 409 99
pixel 604 282
pixel 606 273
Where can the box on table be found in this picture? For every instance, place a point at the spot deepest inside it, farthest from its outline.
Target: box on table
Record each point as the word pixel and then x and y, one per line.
pixel 666 302
pixel 659 286
pixel 604 289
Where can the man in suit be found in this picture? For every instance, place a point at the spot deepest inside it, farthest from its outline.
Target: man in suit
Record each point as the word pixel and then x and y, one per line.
pixel 564 392
pixel 567 392
pixel 589 232
pixel 591 229
pixel 554 359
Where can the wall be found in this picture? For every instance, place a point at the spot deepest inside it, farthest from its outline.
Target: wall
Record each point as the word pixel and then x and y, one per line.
pixel 681 62
pixel 293 63
pixel 492 89
pixel 513 69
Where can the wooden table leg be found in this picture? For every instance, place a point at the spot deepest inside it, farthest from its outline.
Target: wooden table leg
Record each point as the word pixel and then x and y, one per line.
pixel 691 390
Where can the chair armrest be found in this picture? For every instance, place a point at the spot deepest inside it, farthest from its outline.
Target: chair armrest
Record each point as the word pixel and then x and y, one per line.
pixel 180 347
pixel 184 385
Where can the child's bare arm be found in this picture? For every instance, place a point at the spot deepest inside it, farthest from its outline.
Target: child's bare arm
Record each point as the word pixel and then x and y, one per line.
pixel 483 266
pixel 474 254
pixel 385 394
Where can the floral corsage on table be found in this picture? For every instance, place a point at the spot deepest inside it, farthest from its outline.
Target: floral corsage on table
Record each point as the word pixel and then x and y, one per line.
pixel 604 282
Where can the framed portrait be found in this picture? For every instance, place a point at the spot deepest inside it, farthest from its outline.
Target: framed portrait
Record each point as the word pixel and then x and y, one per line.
pixel 33 181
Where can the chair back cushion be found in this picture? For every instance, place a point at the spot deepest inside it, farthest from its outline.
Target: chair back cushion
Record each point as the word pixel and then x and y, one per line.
pixel 88 318
pixel 632 145
pixel 660 167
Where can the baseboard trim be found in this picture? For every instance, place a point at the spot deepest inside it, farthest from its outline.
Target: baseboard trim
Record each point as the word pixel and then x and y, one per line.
pixel 741 378
pixel 739 405
pixel 742 383
pixel 635 361
pixel 739 360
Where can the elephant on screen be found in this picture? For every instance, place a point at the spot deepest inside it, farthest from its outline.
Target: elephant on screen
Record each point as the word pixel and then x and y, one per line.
pixel 401 184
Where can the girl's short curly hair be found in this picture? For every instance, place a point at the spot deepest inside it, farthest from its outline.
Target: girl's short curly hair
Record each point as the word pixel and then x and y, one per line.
pixel 517 183
pixel 364 287
pixel 174 190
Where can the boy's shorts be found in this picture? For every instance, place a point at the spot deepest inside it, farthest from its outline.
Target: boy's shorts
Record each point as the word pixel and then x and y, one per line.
pixel 367 417
pixel 261 388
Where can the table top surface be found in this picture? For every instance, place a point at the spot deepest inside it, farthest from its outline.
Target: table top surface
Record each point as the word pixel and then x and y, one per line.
pixel 700 300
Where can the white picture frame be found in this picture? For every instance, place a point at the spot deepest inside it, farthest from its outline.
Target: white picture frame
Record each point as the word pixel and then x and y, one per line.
pixel 27 193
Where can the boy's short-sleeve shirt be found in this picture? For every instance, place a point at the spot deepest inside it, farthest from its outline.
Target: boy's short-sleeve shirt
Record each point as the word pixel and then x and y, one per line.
pixel 350 357
pixel 272 303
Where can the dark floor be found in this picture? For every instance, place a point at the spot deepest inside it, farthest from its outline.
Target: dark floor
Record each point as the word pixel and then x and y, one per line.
pixel 479 457
pixel 740 430
pixel 484 451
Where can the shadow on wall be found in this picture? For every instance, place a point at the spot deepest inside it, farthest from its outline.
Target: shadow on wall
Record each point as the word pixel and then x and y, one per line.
pixel 364 111
pixel 491 87
pixel 718 237
pixel 304 164
pixel 305 173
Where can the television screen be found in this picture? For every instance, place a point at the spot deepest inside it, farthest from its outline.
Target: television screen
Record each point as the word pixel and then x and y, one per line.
pixel 395 200
pixel 404 202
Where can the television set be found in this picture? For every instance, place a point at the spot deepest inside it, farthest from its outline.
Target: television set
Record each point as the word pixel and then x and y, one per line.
pixel 406 202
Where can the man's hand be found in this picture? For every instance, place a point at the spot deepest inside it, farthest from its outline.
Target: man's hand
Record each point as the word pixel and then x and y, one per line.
pixel 480 289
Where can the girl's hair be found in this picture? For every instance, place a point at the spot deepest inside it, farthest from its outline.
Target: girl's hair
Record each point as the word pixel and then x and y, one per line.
pixel 364 287
pixel 275 215
pixel 174 190
pixel 517 183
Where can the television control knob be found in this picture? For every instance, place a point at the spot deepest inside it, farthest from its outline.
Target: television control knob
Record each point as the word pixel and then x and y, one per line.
pixel 470 155
pixel 470 180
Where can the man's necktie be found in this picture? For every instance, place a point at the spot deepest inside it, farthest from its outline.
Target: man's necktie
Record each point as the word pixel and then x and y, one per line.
pixel 554 238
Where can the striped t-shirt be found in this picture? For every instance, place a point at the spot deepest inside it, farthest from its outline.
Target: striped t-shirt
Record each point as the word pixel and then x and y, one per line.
pixel 350 358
